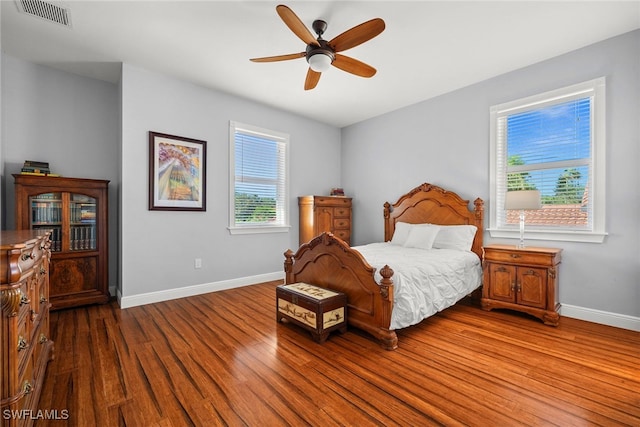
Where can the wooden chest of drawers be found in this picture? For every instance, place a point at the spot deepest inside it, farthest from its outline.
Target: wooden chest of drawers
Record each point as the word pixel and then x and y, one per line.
pixel 325 213
pixel 25 344
pixel 316 309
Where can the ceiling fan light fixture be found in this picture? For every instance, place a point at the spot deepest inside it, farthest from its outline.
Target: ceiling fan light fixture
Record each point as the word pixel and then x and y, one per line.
pixel 320 62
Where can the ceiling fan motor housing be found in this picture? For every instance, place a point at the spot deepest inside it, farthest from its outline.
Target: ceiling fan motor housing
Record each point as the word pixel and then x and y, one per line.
pixel 324 49
pixel 320 26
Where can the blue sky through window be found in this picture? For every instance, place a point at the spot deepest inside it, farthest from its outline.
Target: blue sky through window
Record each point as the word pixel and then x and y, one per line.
pixel 544 136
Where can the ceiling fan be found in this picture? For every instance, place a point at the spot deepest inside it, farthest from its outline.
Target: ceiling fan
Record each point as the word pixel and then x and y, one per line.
pixel 320 53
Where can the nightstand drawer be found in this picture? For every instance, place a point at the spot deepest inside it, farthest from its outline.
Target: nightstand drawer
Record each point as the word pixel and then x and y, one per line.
pixel 522 256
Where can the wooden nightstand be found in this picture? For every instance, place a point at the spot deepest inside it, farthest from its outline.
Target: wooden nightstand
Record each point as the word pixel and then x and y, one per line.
pixel 522 279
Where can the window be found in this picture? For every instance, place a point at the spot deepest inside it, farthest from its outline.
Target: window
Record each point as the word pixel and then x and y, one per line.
pixel 554 143
pixel 259 192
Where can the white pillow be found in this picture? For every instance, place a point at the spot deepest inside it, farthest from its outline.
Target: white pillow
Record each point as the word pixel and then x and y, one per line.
pixel 458 237
pixel 401 233
pixel 422 236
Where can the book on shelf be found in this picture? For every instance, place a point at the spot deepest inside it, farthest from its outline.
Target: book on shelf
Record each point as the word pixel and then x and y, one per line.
pixel 32 167
pixel 36 164
pixel 39 173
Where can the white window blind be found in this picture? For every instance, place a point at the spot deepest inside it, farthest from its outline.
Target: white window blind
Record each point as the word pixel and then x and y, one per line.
pixel 259 187
pixel 553 143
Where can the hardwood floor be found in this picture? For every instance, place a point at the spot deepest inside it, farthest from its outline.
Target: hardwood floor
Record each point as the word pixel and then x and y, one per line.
pixel 221 359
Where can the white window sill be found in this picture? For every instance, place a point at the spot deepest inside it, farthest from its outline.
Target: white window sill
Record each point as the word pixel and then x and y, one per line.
pixel 260 229
pixel 566 236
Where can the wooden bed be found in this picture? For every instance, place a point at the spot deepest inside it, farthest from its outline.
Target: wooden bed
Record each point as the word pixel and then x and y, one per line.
pixel 329 262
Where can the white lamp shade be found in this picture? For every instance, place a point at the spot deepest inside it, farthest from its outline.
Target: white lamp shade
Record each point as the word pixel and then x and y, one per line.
pixel 319 62
pixel 522 200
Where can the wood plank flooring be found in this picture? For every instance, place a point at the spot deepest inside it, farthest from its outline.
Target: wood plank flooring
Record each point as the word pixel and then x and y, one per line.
pixel 221 359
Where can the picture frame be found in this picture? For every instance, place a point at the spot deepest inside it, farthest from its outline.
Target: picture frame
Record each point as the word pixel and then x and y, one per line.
pixel 177 173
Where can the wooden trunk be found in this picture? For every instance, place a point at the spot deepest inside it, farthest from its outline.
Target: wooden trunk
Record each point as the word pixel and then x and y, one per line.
pixel 315 309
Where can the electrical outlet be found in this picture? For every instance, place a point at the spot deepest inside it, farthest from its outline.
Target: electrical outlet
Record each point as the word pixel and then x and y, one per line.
pixel 198 263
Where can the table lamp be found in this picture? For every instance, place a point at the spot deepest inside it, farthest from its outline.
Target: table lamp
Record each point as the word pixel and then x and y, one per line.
pixel 522 200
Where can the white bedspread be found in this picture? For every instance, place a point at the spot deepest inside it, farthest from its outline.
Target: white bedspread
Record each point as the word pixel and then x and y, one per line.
pixel 425 281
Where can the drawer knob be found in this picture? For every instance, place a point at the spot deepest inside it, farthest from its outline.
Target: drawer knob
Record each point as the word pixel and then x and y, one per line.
pixel 515 256
pixel 43 339
pixel 27 387
pixel 22 343
pixel 24 299
pixel 43 299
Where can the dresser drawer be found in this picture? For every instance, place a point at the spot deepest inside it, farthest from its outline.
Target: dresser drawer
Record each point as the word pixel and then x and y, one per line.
pixel 22 344
pixel 41 339
pixel 37 286
pixel 341 223
pixel 29 256
pixel 342 212
pixel 332 201
pixel 26 384
pixel 343 234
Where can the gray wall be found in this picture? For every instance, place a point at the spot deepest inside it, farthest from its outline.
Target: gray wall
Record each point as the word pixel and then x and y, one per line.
pixel 445 141
pixel 64 119
pixel 158 248
pixel 89 128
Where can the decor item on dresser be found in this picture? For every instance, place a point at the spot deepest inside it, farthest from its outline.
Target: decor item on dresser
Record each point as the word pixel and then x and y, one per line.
pixel 520 279
pixel 430 230
pixel 26 347
pixel 76 212
pixel 325 213
pixel 522 200
pixel 177 173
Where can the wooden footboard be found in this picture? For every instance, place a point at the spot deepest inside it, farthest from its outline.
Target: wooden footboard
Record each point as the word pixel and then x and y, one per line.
pixel 329 262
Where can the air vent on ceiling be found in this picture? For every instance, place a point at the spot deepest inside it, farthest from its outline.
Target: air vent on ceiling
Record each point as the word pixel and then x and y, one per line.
pixel 45 10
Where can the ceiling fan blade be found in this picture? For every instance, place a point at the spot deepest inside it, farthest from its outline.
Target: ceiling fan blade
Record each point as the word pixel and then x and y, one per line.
pixel 357 35
pixel 313 77
pixel 279 57
pixel 296 25
pixel 353 66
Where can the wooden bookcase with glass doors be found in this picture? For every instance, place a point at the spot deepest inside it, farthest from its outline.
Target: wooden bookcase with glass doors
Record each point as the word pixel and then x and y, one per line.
pixel 76 212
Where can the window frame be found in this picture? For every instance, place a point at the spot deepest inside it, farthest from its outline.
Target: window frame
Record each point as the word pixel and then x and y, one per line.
pixel 255 228
pixel 594 88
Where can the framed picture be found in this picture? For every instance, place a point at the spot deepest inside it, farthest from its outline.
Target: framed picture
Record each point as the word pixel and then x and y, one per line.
pixel 177 173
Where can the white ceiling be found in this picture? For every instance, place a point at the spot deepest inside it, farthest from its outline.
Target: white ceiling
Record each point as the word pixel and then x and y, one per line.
pixel 428 47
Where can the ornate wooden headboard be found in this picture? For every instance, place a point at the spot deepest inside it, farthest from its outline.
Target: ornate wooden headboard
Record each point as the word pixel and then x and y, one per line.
pixel 429 203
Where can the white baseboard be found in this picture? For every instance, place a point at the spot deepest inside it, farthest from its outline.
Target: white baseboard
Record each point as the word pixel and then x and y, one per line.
pixel 188 291
pixel 573 311
pixel 602 317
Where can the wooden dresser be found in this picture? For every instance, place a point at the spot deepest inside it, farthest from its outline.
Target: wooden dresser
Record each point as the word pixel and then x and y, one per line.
pixel 325 213
pixel 24 300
